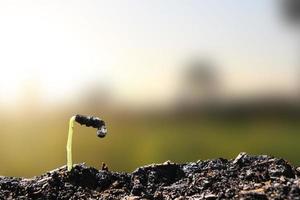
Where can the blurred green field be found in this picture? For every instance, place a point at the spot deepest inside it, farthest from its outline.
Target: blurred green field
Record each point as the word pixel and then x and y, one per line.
pixel 31 146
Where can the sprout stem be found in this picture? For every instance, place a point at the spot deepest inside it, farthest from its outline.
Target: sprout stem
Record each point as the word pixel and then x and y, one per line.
pixel 88 121
pixel 69 143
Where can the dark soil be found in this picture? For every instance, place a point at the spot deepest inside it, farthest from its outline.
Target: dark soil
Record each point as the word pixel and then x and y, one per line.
pixel 245 177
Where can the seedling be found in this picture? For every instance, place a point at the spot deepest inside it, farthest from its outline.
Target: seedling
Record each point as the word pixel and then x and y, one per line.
pixel 88 121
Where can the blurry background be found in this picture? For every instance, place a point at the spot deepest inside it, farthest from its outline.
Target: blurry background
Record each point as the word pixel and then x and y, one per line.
pixel 174 80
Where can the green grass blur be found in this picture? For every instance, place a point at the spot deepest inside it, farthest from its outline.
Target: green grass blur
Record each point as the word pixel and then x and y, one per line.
pixel 31 145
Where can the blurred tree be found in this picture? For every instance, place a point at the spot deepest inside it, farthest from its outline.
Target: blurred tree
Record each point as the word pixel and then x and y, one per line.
pixel 96 97
pixel 292 10
pixel 200 85
pixel 201 77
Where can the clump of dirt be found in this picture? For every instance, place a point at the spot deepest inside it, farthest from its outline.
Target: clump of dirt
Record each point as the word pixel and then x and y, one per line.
pixel 245 177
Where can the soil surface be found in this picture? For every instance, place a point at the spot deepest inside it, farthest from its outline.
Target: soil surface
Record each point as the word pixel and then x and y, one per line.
pixel 245 177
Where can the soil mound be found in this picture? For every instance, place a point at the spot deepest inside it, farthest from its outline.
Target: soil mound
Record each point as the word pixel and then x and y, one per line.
pixel 245 177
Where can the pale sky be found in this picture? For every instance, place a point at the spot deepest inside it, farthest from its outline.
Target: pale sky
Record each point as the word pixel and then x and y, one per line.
pixel 137 47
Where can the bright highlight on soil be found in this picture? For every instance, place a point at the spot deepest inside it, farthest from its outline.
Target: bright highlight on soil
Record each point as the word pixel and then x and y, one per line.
pixel 88 121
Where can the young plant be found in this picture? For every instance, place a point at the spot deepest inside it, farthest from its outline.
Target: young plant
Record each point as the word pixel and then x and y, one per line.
pixel 88 121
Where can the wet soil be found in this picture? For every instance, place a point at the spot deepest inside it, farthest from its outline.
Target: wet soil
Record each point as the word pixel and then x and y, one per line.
pixel 245 177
